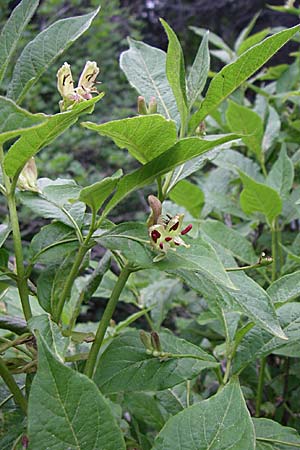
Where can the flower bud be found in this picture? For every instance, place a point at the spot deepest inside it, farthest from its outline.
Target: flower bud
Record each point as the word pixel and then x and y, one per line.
pixel 141 106
pixel 265 260
pixel 200 130
pixel 156 208
pixel 152 108
pixel 155 342
pixel 146 340
pixel 28 177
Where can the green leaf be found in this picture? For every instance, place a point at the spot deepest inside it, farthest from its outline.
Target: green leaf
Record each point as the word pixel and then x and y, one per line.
pixel 95 195
pixel 272 129
pixel 126 367
pixel 15 120
pixel 66 410
pixel 222 422
pixel 51 282
pixel 188 195
pixel 230 239
pixel 4 233
pixel 45 48
pixel 213 39
pixel 69 214
pixel 249 298
pixel 13 30
pixel 51 334
pixel 286 288
pixel 234 161
pixel 258 343
pixel 182 151
pixel 33 140
pixel 252 40
pixel 281 175
pixel 145 69
pixel 176 72
pixel 234 74
pixel 145 409
pixel 145 137
pixel 199 71
pixel 245 121
pixel 268 432
pixel 258 197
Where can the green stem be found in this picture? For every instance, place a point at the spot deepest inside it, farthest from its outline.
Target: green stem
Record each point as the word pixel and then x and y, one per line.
pixel 84 247
pixel 159 189
pixel 277 441
pixel 13 387
pixel 104 323
pixel 260 386
pixel 17 241
pixel 274 252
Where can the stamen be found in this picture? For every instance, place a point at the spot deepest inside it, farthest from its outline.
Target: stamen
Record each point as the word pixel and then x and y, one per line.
pixel 187 229
pixel 175 226
pixel 168 239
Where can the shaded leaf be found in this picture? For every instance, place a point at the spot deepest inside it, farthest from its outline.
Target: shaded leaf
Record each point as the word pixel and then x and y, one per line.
pixel 258 197
pixel 125 366
pixel 286 288
pixel 258 343
pixel 281 175
pixel 59 410
pixel 268 432
pixel 220 423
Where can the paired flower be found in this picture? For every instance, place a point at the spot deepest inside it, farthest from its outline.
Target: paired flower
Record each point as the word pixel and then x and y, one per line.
pixel 165 232
pixel 84 90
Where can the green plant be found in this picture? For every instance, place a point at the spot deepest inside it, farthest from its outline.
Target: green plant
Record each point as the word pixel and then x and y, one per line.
pixel 118 386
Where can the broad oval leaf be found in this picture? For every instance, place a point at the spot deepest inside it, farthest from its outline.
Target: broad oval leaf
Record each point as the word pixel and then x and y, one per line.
pixel 258 197
pixel 59 410
pixel 230 239
pixel 145 69
pixel 145 137
pixel 220 423
pixel 189 196
pixel 51 334
pixel 248 123
pixel 32 140
pixel 258 343
pixel 268 432
pixel 286 288
pixel 12 31
pixel 95 195
pixel 125 366
pixel 234 74
pixel 40 53
pixel 15 120
pixel 182 151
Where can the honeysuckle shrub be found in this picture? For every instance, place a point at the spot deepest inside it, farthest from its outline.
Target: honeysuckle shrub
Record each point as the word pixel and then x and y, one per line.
pixel 207 356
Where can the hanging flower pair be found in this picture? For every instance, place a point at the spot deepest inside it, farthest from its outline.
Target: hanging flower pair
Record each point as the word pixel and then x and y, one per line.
pixel 84 90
